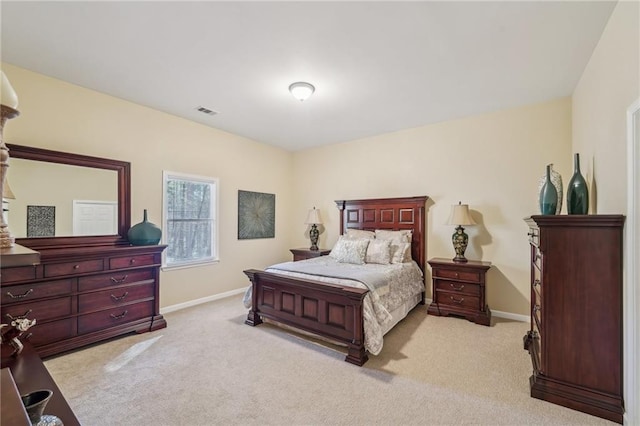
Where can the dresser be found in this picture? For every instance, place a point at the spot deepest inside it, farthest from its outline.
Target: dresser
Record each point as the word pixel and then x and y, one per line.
pixel 459 289
pixel 84 295
pixel 575 339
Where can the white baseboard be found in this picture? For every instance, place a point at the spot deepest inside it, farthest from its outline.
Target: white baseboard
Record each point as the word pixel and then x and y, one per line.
pixel 195 302
pixel 172 308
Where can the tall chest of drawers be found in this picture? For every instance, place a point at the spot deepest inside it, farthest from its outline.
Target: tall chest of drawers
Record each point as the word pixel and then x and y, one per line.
pixel 80 296
pixel 575 339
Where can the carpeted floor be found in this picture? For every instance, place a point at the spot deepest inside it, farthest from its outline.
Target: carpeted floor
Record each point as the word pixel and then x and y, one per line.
pixel 209 368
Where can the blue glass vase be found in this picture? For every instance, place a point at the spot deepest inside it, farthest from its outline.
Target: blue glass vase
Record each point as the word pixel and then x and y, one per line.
pixel 577 191
pixel 548 195
pixel 144 233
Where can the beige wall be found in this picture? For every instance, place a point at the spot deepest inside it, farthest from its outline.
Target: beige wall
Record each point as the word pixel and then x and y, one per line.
pixel 608 86
pixel 492 162
pixel 60 116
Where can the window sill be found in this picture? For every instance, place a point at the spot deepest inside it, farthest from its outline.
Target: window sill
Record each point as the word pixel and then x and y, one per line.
pixel 189 265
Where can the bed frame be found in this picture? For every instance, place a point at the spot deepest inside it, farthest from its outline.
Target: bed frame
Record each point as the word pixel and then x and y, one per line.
pixel 333 311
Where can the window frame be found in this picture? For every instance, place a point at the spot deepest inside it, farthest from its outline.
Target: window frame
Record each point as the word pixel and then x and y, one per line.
pixel 215 192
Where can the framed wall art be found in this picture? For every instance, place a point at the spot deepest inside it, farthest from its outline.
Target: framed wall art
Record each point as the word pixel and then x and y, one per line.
pixel 41 221
pixel 256 215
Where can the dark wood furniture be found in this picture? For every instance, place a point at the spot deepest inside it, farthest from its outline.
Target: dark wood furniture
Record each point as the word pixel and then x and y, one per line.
pixel 459 290
pixel 84 295
pixel 331 311
pixel 575 340
pixel 305 253
pixel 29 374
pixel 86 288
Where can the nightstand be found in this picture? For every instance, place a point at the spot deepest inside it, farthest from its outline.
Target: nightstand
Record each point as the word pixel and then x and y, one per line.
pixel 305 253
pixel 459 290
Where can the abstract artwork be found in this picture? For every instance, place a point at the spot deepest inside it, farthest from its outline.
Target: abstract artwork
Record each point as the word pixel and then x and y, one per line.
pixel 41 221
pixel 256 215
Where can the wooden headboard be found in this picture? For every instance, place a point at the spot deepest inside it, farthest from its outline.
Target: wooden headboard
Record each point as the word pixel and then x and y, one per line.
pixel 393 214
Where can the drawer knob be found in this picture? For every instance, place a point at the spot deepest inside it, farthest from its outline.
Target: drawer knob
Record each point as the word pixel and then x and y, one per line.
pixel 454 300
pixel 117 317
pixel 119 280
pixel 119 298
pixel 132 261
pixel 23 316
pixel 458 288
pixel 20 296
pixel 76 266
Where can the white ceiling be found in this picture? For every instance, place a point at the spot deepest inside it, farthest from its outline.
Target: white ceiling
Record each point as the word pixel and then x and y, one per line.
pixel 377 66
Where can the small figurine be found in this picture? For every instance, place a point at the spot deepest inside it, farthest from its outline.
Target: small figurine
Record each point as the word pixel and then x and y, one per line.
pixel 11 333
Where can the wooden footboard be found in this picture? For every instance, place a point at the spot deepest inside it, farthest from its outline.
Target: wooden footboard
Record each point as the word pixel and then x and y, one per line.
pixel 331 311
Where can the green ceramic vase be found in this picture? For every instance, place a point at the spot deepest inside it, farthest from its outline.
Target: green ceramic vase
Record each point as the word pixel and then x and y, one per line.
pixel 548 195
pixel 144 233
pixel 577 191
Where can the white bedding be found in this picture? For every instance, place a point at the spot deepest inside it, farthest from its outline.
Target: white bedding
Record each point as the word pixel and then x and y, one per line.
pixel 381 311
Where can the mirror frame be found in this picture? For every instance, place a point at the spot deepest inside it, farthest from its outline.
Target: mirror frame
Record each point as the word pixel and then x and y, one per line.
pixel 123 169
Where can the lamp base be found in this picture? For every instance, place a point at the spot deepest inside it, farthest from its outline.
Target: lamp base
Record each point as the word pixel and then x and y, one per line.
pixel 313 235
pixel 460 240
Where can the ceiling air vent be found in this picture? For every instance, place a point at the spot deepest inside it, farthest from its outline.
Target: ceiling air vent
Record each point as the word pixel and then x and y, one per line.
pixel 206 110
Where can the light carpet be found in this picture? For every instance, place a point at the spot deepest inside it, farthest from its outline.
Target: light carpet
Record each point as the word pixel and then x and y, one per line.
pixel 209 368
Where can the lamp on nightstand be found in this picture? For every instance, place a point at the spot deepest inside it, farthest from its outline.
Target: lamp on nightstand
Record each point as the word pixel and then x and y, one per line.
pixel 460 216
pixel 313 219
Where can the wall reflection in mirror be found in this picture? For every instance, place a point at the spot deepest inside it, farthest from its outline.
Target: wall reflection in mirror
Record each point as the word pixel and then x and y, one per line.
pixel 56 200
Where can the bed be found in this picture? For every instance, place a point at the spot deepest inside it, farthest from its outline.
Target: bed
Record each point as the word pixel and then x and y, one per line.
pixel 330 307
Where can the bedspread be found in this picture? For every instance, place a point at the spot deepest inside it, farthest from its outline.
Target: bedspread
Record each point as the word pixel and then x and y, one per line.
pixel 404 282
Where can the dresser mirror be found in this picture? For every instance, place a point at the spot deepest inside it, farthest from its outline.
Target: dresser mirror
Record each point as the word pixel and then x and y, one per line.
pixel 67 200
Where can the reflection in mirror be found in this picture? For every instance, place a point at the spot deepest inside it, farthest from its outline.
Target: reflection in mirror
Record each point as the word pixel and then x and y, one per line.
pixel 54 199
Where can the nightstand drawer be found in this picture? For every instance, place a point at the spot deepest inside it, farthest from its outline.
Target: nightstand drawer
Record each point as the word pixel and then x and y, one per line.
pixel 457 275
pixel 458 287
pixel 458 300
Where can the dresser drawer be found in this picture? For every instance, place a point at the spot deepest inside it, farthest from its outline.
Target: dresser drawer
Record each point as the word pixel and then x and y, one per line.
pixel 27 292
pixel 42 334
pixel 73 268
pixel 103 281
pixel 458 300
pixel 114 297
pixel 22 273
pixel 131 261
pixel 114 317
pixel 40 311
pixel 457 275
pixel 458 287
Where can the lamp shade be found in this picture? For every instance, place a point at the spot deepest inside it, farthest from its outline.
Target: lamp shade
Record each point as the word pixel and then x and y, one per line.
pixel 301 90
pixel 7 193
pixel 460 215
pixel 8 96
pixel 313 217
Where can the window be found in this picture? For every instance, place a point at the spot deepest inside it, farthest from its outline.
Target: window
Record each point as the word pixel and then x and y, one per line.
pixel 190 211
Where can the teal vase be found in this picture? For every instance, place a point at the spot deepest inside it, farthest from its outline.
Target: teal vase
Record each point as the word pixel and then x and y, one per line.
pixel 144 233
pixel 548 195
pixel 577 191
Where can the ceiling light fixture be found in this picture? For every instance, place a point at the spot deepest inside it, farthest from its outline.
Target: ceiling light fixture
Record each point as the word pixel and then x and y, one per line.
pixel 301 90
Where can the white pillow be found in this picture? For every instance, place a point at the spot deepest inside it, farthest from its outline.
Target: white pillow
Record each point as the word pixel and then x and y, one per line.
pixel 378 251
pixel 400 252
pixel 350 251
pixel 357 234
pixel 403 236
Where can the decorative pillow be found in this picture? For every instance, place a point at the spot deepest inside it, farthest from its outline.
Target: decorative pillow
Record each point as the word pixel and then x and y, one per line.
pixel 403 236
pixel 378 251
pixel 350 251
pixel 357 234
pixel 400 252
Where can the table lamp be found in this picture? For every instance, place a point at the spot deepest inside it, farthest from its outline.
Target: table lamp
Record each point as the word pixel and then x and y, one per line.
pixel 460 216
